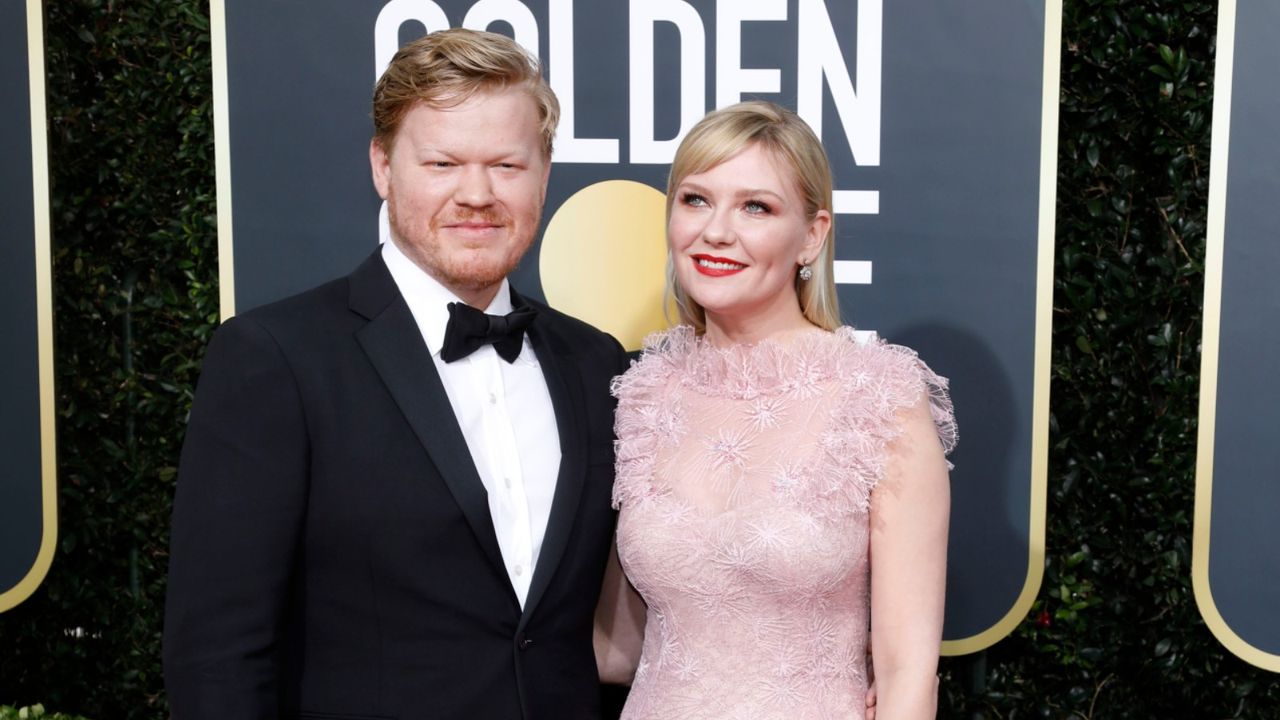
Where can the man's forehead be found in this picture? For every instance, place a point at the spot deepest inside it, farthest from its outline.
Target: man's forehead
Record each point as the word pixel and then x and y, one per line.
pixel 454 100
pixel 470 124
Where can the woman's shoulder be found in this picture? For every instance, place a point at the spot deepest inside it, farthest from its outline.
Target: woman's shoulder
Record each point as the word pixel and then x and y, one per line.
pixel 877 383
pixel 883 379
pixel 670 344
pixel 663 354
pixel 639 392
pixel 863 353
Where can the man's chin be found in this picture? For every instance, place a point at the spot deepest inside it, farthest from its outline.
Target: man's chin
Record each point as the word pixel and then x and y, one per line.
pixel 482 269
pixel 476 279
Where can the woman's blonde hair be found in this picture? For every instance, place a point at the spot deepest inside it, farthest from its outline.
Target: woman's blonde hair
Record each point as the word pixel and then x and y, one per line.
pixel 445 68
pixel 726 132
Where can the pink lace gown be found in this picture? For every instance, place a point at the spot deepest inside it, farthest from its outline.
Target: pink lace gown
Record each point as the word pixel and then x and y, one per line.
pixel 744 483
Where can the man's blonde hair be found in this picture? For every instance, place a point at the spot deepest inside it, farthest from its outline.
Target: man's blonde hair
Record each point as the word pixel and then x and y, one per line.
pixel 445 68
pixel 726 132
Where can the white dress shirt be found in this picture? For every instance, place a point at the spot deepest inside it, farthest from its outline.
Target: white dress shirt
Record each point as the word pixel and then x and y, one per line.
pixel 505 412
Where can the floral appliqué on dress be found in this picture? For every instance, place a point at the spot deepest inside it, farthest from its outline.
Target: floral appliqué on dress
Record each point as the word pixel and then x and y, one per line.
pixel 744 481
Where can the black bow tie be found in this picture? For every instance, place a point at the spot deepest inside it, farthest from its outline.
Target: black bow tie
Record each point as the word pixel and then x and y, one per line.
pixel 469 329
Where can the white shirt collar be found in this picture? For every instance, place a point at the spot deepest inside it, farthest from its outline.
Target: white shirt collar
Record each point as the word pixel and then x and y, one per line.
pixel 428 299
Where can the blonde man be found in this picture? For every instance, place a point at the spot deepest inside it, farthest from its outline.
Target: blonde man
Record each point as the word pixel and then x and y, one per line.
pixel 389 504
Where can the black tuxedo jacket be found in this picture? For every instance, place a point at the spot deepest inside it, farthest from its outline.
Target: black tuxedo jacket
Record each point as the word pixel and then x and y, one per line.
pixel 333 555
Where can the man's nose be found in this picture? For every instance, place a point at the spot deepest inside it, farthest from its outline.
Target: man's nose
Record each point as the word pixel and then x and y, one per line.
pixel 475 187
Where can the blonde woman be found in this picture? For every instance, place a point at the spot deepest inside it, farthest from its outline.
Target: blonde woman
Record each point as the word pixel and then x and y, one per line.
pixel 782 486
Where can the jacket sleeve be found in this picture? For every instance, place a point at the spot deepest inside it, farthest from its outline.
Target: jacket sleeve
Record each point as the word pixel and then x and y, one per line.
pixel 237 519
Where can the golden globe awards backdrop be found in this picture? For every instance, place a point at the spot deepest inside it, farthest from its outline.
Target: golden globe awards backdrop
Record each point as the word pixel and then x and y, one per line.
pixel 1236 546
pixel 28 504
pixel 939 116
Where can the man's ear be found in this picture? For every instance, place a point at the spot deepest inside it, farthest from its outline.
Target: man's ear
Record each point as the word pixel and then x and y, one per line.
pixel 380 165
pixel 546 176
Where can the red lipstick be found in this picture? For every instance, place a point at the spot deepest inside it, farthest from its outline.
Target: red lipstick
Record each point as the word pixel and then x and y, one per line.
pixel 716 266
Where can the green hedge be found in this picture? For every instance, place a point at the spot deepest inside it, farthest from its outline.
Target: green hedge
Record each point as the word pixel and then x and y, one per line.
pixel 1114 632
pixel 33 712
pixel 135 271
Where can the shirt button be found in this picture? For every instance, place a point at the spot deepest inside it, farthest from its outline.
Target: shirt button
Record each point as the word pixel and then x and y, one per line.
pixel 519 570
pixel 493 399
pixel 507 481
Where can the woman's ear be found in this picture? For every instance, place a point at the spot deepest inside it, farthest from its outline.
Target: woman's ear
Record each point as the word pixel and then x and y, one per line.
pixel 816 236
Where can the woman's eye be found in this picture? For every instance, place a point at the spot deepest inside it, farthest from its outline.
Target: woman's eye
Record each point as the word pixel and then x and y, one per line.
pixel 755 207
pixel 693 199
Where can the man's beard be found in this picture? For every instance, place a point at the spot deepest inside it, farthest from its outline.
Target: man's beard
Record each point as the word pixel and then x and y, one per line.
pixel 422 245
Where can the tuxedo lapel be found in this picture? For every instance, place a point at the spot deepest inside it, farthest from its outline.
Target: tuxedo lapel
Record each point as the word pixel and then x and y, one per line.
pixel 565 389
pixel 394 346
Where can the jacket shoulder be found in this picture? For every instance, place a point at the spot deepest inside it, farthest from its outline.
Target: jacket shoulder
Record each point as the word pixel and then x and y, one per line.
pixel 582 335
pixel 302 307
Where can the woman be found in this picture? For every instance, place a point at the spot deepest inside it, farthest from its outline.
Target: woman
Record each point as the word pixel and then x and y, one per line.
pixel 782 485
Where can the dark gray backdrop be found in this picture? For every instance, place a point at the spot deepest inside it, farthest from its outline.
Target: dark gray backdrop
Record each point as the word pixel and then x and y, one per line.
pixel 21 523
pixel 1244 541
pixel 953 246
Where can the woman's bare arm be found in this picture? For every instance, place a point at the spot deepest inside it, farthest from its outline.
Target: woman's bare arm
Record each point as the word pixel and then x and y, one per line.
pixel 910 510
pixel 619 625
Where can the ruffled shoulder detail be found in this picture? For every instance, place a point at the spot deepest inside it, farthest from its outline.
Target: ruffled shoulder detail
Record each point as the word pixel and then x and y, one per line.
pixel 865 385
pixel 877 381
pixel 641 421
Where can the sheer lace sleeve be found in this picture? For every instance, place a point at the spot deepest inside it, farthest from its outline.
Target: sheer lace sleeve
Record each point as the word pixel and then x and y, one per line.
pixel 641 420
pixel 878 382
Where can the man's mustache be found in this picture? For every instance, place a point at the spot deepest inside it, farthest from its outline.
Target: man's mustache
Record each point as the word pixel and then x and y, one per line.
pixel 482 217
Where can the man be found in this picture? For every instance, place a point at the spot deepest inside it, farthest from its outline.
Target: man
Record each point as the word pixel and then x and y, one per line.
pixel 379 514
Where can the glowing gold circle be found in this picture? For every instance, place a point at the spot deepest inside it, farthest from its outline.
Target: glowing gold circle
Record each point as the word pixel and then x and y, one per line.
pixel 604 259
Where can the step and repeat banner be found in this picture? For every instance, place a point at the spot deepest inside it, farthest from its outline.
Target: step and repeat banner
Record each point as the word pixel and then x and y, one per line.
pixel 1236 546
pixel 939 116
pixel 28 502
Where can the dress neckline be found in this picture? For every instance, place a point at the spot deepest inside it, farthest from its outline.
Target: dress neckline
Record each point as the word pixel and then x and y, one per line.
pixel 772 366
